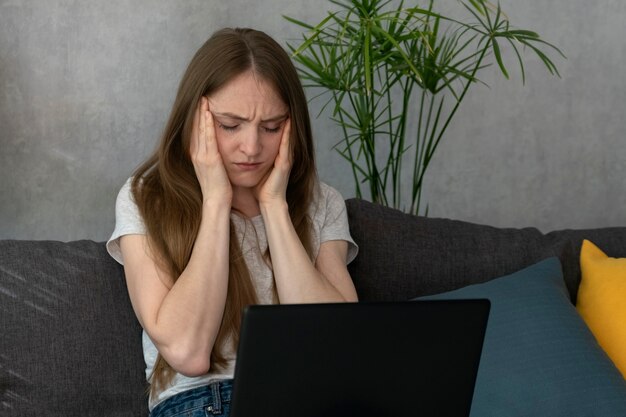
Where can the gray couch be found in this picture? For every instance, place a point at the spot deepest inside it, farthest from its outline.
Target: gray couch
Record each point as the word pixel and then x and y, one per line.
pixel 71 345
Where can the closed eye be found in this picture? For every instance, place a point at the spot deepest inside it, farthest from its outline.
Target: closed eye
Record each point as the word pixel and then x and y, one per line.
pixel 272 129
pixel 227 127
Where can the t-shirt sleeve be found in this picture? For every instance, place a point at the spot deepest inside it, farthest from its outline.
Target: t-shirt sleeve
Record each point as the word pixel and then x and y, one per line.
pixel 335 225
pixel 128 221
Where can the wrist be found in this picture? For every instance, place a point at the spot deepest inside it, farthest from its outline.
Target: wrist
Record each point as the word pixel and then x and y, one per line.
pixel 216 206
pixel 273 207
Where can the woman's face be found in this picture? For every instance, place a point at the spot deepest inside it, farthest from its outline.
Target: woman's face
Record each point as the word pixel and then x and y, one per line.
pixel 249 118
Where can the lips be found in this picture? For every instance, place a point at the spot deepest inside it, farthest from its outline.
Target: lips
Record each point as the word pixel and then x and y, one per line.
pixel 248 166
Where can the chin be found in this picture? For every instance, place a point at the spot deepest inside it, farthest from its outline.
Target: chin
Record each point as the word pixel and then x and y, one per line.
pixel 245 182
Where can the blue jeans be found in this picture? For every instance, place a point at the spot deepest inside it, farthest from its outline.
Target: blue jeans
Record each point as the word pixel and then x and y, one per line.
pixel 207 401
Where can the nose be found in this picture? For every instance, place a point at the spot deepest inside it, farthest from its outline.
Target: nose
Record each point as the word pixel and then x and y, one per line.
pixel 250 143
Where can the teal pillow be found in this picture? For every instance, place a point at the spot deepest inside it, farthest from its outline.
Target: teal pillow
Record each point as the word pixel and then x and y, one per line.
pixel 539 358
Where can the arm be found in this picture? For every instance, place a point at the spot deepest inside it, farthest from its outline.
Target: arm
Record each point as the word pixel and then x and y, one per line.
pixel 298 280
pixel 183 316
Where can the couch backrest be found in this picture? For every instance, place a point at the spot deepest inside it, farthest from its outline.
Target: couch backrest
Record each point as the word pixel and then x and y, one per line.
pixel 70 344
pixel 403 256
pixel 566 245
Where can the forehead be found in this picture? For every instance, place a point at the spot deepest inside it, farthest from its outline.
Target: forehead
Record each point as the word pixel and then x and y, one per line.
pixel 247 93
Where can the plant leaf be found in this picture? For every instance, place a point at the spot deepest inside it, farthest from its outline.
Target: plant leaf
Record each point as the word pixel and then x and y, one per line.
pixel 498 55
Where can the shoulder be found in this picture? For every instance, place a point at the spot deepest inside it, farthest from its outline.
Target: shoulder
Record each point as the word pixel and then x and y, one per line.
pixel 327 197
pixel 126 208
pixel 328 204
pixel 330 218
pixel 329 192
pixel 125 195
pixel 128 220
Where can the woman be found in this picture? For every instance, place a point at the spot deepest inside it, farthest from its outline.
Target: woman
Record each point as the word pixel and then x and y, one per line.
pixel 227 212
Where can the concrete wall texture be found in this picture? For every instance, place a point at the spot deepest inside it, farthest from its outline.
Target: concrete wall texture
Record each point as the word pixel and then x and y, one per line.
pixel 86 87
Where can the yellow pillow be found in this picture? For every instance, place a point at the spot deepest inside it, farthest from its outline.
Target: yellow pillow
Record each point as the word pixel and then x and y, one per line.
pixel 602 300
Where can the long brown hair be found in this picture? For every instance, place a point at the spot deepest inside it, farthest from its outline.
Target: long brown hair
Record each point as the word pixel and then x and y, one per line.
pixel 166 188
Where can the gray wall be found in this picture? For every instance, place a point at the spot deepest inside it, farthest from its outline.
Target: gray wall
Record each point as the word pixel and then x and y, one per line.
pixel 85 87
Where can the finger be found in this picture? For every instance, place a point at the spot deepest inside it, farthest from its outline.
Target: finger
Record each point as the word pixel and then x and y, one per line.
pixel 210 129
pixel 285 150
pixel 195 132
pixel 203 130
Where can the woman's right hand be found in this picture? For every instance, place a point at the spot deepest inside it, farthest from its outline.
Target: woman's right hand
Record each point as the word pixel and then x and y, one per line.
pixel 206 158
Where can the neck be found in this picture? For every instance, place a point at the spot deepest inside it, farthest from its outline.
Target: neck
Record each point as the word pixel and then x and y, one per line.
pixel 245 202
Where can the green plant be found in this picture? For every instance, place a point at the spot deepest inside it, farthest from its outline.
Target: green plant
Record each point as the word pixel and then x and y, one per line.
pixel 385 65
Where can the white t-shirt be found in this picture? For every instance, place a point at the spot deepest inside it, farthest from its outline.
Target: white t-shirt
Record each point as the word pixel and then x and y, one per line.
pixel 329 220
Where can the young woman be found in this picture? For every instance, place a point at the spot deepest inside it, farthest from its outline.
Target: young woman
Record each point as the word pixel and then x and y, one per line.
pixel 226 213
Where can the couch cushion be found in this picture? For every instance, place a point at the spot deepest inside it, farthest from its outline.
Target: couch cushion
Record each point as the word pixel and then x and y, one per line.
pixel 567 243
pixel 402 256
pixel 602 300
pixel 539 358
pixel 70 345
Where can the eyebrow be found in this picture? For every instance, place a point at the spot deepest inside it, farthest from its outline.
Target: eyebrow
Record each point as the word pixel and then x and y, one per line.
pixel 243 119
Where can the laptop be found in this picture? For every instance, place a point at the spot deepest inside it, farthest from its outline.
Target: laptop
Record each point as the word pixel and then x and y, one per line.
pixel 414 358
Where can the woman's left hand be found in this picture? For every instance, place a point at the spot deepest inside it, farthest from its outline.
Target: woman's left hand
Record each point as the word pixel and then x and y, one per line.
pixel 273 187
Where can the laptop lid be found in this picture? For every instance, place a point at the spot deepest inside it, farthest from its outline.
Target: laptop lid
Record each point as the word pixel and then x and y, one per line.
pixel 414 358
